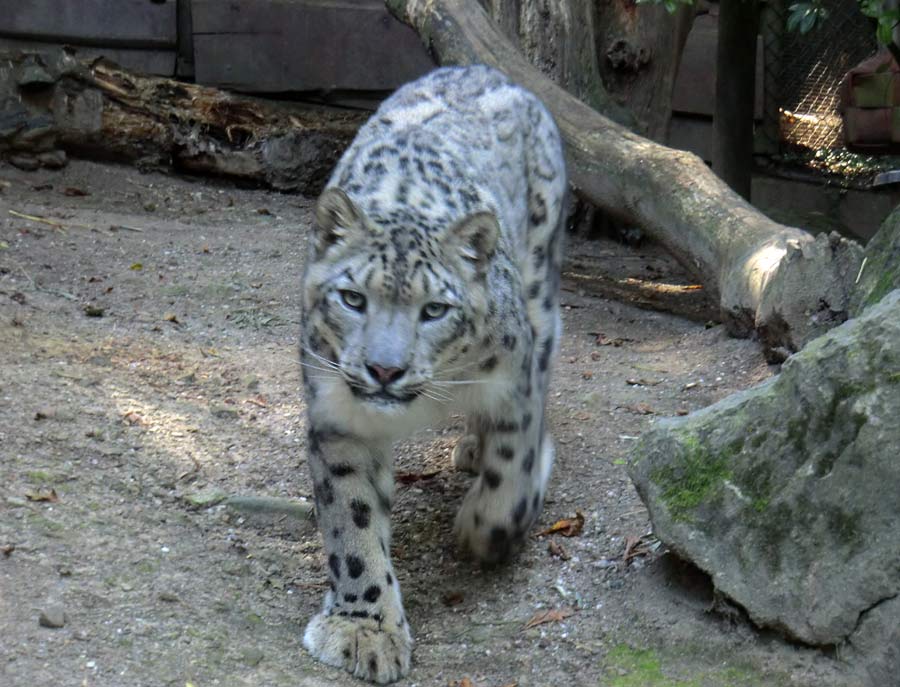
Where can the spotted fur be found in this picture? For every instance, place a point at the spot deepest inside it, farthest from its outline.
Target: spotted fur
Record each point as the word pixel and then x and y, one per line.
pixel 431 287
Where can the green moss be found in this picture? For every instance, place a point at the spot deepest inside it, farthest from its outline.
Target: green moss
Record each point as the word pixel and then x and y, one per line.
pixel 630 667
pixel 887 282
pixel 689 482
pixel 38 476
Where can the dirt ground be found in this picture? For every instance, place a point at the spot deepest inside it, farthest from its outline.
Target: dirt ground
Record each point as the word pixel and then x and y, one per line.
pixel 148 368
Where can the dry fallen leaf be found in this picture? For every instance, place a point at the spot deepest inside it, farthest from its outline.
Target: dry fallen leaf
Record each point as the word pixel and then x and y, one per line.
pixel 553 615
pixel 133 418
pixel 42 495
pixel 640 409
pixel 74 192
pixel 258 401
pixel 454 598
pixel 410 477
pixel 558 551
pixel 634 547
pixel 171 317
pixel 7 549
pixel 568 527
pixel 465 682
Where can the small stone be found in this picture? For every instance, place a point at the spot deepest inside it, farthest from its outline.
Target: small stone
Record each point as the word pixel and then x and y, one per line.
pixel 53 159
pixel 168 597
pixel 252 656
pixel 53 615
pixel 206 498
pixel 24 162
pixel 32 75
pixel 224 411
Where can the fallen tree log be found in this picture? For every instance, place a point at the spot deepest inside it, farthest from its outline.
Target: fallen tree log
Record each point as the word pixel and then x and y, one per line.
pixel 51 101
pixel 776 281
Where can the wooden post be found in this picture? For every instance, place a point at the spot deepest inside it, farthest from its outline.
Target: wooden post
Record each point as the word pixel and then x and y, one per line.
pixel 735 89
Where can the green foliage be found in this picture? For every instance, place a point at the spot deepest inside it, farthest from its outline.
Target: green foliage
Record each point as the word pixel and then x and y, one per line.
pixel 887 19
pixel 805 16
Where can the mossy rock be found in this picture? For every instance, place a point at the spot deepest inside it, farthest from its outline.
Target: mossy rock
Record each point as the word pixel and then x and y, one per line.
pixel 786 493
pixel 881 267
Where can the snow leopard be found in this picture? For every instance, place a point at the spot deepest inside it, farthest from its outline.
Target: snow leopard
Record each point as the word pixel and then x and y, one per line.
pixel 431 287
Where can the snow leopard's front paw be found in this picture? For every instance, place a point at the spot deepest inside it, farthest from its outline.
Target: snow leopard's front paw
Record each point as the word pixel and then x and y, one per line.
pixel 362 646
pixel 467 454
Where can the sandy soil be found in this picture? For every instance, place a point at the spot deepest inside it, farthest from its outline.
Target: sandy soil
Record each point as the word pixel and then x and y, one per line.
pixel 148 330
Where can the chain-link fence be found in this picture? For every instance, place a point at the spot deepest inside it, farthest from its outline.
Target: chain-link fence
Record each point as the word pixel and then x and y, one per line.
pixel 803 73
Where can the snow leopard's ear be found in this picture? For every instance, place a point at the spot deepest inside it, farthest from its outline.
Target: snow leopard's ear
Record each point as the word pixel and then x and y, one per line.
pixel 337 218
pixel 476 237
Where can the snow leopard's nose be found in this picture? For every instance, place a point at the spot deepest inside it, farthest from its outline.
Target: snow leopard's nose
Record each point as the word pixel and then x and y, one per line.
pixel 384 375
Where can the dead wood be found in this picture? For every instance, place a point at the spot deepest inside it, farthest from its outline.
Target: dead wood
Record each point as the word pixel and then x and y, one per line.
pixel 96 109
pixel 778 282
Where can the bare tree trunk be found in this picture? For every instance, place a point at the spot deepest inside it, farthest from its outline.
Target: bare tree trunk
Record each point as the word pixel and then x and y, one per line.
pixel 640 50
pixel 774 280
pixel 558 38
pixel 100 110
pixel 735 91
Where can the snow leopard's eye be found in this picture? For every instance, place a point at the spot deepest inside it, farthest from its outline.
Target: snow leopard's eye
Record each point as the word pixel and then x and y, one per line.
pixel 353 300
pixel 434 311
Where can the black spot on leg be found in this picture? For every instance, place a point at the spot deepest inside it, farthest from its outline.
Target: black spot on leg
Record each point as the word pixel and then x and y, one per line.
pixel 536 502
pixel 341 470
pixel 361 513
pixel 534 289
pixel 546 350
pixel 359 614
pixel 519 512
pixel 336 532
pixel 509 342
pixel 492 478
pixel 505 426
pixel 528 463
pixel 335 564
pixel 325 491
pixel 373 664
pixel 526 422
pixel 346 652
pixel 505 452
pixel 477 520
pixel 350 598
pixel 372 593
pixel 499 542
pixel 355 566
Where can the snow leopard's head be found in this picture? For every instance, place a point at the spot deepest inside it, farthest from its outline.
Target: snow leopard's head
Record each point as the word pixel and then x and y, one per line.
pixel 394 308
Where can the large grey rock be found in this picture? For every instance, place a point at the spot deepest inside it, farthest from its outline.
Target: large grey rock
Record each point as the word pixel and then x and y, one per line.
pixel 881 267
pixel 788 494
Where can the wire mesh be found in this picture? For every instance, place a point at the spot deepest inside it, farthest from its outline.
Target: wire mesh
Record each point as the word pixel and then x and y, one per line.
pixel 807 69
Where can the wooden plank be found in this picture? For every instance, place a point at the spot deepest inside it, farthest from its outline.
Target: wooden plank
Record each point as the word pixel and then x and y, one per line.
pixel 113 23
pixel 303 45
pixel 155 62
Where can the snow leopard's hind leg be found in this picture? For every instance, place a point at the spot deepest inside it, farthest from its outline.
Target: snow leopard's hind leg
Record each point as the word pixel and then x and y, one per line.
pixel 516 451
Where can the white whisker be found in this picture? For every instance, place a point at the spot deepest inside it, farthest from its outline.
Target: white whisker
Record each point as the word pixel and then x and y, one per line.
pixel 322 359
